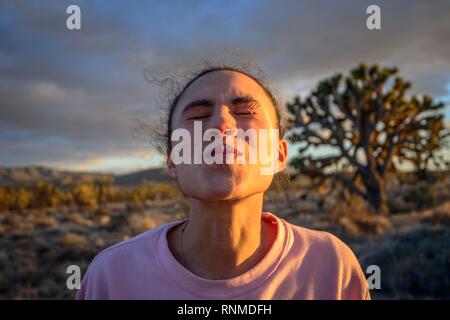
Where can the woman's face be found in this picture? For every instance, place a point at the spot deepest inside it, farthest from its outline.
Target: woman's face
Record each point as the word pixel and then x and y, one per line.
pixel 225 100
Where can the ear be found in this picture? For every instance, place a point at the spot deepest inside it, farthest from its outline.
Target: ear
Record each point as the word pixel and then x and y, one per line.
pixel 282 154
pixel 171 168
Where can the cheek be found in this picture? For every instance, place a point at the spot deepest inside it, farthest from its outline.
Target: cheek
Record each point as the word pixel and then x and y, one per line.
pixel 258 182
pixel 252 123
pixel 188 177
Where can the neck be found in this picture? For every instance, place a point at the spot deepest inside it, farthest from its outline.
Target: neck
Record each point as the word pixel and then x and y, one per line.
pixel 224 238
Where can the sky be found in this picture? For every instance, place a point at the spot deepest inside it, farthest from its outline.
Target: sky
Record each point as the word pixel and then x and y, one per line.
pixel 69 99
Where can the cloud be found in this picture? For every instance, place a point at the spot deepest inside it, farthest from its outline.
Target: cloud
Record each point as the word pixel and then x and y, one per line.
pixel 71 96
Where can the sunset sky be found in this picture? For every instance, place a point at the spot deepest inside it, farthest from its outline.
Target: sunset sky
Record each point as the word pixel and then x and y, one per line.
pixel 68 99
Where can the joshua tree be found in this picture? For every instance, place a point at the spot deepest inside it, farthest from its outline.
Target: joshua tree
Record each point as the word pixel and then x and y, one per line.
pixel 103 185
pixel 366 121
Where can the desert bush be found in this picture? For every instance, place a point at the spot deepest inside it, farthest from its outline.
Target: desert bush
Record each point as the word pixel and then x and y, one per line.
pixel 102 188
pixel 66 197
pixel 142 222
pixel 393 205
pixel 103 219
pixel 84 196
pixel 79 219
pixel 139 194
pixel 4 199
pixel 21 199
pixel 162 191
pixel 440 215
pixel 353 217
pixel 12 198
pixel 360 225
pixel 73 240
pixel 413 264
pixel 2 231
pixel 46 222
pixel 150 191
pixel 442 188
pixel 115 194
pixel 45 194
pixel 116 222
pixel 12 221
pixel 422 195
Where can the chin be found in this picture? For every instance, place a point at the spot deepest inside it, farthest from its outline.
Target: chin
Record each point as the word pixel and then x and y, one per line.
pixel 219 182
pixel 220 189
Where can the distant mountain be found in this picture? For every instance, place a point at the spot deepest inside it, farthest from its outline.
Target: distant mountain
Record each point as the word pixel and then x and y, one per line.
pixel 156 175
pixel 28 176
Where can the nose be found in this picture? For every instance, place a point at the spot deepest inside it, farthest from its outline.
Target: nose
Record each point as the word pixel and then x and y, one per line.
pixel 222 119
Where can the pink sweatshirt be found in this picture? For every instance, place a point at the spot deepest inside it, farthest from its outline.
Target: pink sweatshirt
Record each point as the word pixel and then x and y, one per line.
pixel 301 264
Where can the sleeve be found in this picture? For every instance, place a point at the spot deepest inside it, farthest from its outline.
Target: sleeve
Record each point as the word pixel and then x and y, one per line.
pixel 81 293
pixel 94 285
pixel 353 282
pixel 354 286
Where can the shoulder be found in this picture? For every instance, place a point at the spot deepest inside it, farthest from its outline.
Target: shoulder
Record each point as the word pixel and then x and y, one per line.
pixel 127 249
pixel 327 254
pixel 322 242
pixel 117 262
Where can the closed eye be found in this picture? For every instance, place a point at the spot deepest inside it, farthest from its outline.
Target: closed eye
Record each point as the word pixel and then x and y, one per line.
pixel 245 109
pixel 198 112
pixel 198 117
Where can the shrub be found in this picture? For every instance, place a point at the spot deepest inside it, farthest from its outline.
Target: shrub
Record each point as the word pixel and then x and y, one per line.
pixel 114 194
pixel 15 198
pixel 84 196
pixel 413 264
pixel 45 194
pixel 440 216
pixel 393 206
pixel 360 225
pixel 353 217
pixel 4 199
pixel 80 220
pixel 162 191
pixel 142 222
pixel 2 231
pixel 73 240
pixel 139 195
pixel 21 199
pixel 46 222
pixel 422 194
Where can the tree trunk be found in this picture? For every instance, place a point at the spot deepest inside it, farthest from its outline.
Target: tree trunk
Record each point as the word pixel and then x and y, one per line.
pixel 377 198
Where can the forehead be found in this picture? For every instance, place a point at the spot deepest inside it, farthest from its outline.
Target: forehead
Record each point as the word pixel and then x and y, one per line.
pixel 220 86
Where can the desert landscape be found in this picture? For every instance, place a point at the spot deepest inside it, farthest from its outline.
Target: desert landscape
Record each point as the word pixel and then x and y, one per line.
pixel 94 96
pixel 42 234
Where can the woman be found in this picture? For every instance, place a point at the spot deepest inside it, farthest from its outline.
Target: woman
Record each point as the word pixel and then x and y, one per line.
pixel 228 248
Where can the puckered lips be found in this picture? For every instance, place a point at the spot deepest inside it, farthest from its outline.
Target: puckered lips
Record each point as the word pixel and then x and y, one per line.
pixel 227 149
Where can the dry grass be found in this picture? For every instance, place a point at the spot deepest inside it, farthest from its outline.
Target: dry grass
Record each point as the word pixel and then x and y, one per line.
pixel 142 222
pixel 73 240
pixel 352 216
pixel 361 225
pixel 46 222
pixel 440 216
pixel 36 247
pixel 412 249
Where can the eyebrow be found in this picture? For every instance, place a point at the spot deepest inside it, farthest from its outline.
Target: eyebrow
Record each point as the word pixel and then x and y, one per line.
pixel 210 103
